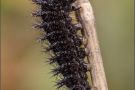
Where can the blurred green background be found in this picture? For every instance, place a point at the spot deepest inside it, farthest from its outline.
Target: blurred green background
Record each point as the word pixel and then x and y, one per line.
pixel 23 66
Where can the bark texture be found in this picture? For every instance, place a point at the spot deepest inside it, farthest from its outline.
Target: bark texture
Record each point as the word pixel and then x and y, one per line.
pixel 86 18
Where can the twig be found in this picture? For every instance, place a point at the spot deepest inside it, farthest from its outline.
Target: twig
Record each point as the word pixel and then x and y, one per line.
pixel 86 18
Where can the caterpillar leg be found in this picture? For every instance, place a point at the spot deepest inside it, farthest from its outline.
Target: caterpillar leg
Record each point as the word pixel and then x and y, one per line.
pixel 78 26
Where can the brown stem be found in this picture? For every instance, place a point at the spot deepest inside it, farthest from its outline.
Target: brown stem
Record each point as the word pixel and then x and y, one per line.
pixel 86 18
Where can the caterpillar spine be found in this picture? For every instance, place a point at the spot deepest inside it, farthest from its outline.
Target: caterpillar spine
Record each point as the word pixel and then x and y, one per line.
pixel 64 42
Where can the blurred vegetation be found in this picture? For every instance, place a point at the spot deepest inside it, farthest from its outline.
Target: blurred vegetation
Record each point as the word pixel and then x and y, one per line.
pixel 23 66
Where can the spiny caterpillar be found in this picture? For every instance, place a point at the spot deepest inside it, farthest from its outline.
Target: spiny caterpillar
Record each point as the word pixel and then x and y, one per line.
pixel 64 42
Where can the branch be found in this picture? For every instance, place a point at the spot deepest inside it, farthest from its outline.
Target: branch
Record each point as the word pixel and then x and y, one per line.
pixel 86 18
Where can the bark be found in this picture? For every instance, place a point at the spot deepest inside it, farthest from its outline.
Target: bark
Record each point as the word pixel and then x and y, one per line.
pixel 86 18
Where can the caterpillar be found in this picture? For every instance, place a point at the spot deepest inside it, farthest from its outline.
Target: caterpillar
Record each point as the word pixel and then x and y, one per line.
pixel 64 42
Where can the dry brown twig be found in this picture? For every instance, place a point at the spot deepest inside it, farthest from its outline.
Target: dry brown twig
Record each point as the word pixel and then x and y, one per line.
pixel 86 18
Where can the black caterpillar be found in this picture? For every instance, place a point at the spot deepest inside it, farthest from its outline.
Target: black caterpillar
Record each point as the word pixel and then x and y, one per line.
pixel 64 42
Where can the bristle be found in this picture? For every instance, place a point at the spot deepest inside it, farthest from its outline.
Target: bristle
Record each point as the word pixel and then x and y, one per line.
pixel 61 33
